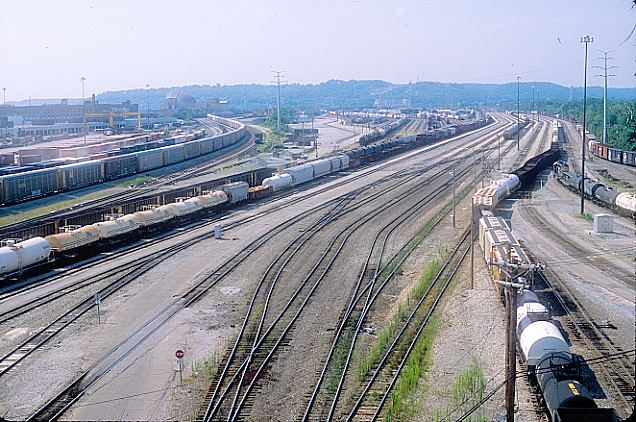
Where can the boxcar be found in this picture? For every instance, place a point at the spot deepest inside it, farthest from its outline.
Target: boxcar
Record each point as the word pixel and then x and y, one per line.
pixel 78 175
pixel 173 154
pixel 119 166
pixel 191 149
pixel 614 154
pixel 218 142
pixel 16 187
pixel 629 158
pixel 207 145
pixel 148 160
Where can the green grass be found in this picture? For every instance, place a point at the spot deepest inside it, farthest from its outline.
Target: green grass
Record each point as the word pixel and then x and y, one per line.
pixel 466 391
pixel 338 361
pixel 133 181
pixel 386 335
pixel 403 404
pixel 586 216
pixel 272 137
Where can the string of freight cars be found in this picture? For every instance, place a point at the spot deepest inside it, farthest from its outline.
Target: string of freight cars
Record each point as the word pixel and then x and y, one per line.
pixel 32 184
pixel 17 258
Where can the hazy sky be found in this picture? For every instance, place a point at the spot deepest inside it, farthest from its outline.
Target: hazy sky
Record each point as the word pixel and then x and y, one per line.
pixel 47 46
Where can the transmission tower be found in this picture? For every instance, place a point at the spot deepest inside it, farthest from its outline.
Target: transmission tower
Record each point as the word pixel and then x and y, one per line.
pixel 605 76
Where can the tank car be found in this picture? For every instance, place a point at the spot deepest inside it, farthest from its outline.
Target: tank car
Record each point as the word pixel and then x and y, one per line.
pixel 626 203
pixel 16 257
pixel 559 378
pixel 212 199
pixel 115 229
pixel 153 217
pixel 73 240
pixel 279 182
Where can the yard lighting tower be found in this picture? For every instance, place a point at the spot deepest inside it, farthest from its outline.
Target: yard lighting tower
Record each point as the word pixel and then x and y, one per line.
pixel 586 39
pixel 4 108
pixel 518 120
pixel 83 79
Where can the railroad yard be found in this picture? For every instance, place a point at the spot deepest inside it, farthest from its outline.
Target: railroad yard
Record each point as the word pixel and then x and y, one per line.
pixel 358 293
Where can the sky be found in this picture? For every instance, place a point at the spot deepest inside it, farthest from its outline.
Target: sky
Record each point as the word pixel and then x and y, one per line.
pixel 46 47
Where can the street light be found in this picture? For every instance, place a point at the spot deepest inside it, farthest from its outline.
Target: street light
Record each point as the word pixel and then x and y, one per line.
pixel 83 79
pixel 452 174
pixel 586 39
pixel 4 108
pixel 148 101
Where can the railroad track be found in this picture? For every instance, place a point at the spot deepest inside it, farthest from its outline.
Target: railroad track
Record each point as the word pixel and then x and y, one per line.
pixel 242 355
pixel 377 390
pixel 75 387
pixel 120 197
pixel 618 372
pixel 574 249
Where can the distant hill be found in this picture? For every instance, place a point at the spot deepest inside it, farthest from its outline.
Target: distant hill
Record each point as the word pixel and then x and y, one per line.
pixel 336 94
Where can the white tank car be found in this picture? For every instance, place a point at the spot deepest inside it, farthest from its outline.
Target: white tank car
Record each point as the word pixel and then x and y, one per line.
pixel 75 239
pixel 117 227
pixel 507 184
pixel 18 256
pixel 626 201
pixel 151 217
pixel 537 335
pixel 300 174
pixel 279 182
pixel 214 198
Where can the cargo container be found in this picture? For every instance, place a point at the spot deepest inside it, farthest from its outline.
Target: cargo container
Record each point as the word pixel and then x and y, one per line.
pixel 7 159
pixel 148 160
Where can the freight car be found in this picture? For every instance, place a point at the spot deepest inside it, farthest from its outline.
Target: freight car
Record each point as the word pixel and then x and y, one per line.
pixel 606 152
pixel 623 203
pixel 128 160
pixel 555 369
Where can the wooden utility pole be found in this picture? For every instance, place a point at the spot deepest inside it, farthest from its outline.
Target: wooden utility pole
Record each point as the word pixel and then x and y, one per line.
pixel 511 348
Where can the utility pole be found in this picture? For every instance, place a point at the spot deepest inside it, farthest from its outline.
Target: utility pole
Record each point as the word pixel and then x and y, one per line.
pixel 83 79
pixel 148 103
pixel 511 348
pixel 586 39
pixel 538 105
pixel 605 76
pixel 518 119
pixel 278 74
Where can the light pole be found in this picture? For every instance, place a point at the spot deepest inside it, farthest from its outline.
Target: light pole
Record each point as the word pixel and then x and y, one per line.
pixel 586 39
pixel 148 102
pixel 4 108
pixel 83 79
pixel 538 105
pixel 452 173
pixel 518 119
pixel 532 102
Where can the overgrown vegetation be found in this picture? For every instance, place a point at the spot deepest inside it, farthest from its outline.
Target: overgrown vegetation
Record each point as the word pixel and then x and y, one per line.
pixel 403 403
pixel 466 391
pixel 586 216
pixel 387 334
